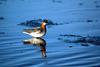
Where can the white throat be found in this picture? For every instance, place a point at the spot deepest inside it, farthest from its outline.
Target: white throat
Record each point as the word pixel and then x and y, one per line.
pixel 44 23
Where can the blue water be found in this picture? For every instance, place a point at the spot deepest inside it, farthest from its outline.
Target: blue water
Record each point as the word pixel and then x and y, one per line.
pixel 60 52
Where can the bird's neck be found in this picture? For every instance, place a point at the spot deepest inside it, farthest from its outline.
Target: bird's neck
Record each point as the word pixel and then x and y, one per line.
pixel 43 27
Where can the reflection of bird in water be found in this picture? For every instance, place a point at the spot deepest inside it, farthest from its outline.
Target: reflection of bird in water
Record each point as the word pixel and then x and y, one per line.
pixel 38 42
pixel 38 31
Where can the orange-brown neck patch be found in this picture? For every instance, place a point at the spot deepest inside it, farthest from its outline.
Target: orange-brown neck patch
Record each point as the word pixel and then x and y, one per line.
pixel 43 26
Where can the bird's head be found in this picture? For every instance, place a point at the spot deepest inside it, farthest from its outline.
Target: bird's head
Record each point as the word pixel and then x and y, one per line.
pixel 45 21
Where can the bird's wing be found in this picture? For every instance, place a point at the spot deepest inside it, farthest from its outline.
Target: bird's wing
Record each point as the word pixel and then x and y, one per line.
pixel 35 30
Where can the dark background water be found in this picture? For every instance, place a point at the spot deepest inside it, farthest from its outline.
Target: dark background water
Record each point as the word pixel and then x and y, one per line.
pixel 73 41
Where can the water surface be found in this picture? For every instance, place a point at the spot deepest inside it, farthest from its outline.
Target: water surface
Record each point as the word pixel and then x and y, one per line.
pixel 60 52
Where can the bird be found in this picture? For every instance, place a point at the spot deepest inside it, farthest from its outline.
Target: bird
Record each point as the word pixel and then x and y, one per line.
pixel 37 31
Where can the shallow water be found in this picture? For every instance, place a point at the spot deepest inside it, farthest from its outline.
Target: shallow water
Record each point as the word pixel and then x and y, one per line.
pixel 14 53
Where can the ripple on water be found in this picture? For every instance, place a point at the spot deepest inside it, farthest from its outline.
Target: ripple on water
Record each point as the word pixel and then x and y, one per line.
pixel 14 53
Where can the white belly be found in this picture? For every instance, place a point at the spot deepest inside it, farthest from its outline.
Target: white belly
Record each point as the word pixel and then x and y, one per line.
pixel 35 34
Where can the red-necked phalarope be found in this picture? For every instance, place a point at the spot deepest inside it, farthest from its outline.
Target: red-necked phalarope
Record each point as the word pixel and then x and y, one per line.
pixel 38 31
